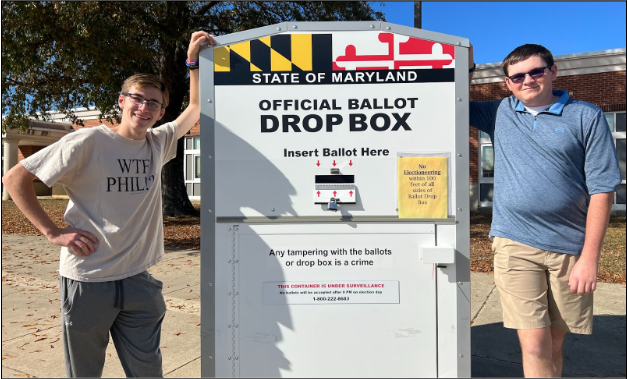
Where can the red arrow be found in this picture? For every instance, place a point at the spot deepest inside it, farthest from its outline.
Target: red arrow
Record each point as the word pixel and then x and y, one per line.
pixel 351 192
pixel 334 193
pixel 318 193
pixel 350 163
pixel 318 163
pixel 334 162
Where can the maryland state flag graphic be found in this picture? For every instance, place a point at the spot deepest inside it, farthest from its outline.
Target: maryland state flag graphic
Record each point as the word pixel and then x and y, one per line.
pixel 337 56
pixel 388 51
pixel 300 53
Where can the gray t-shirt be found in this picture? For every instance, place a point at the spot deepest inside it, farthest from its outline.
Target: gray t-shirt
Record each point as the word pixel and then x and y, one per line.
pixel 114 187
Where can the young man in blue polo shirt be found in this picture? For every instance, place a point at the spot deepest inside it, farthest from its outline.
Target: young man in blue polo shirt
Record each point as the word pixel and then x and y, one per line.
pixel 555 173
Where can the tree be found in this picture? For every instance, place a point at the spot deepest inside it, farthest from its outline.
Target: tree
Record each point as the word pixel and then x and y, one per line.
pixel 69 54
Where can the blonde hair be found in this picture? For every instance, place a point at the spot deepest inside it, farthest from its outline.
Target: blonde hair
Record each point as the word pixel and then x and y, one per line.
pixel 140 81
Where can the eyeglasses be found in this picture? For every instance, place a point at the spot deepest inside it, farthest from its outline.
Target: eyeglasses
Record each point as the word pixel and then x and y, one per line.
pixel 137 99
pixel 536 73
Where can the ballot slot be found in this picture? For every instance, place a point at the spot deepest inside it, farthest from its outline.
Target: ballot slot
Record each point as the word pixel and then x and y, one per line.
pixel 339 189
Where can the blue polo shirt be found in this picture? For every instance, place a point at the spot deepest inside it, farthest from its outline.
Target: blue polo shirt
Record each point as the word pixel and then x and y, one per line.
pixel 545 169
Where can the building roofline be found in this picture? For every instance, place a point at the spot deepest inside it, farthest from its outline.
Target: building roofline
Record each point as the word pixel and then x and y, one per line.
pixel 567 64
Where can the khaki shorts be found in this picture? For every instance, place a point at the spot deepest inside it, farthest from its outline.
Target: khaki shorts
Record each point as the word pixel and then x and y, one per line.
pixel 534 289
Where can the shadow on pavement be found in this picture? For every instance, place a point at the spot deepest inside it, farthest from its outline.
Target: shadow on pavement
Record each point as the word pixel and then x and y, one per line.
pixel 496 352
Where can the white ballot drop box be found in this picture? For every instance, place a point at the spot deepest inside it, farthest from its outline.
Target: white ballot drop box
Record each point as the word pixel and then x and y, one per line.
pixel 335 202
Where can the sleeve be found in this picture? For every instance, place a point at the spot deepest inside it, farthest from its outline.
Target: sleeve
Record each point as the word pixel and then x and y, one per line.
pixel 57 163
pixel 601 163
pixel 167 134
pixel 483 115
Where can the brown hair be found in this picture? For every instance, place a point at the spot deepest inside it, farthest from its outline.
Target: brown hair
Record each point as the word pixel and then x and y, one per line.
pixel 145 81
pixel 526 51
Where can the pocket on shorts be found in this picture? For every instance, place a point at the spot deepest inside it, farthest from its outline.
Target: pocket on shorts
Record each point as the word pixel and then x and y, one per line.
pixel 152 294
pixel 154 280
pixel 68 290
pixel 501 258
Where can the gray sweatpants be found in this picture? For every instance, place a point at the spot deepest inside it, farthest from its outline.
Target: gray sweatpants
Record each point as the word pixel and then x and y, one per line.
pixel 131 309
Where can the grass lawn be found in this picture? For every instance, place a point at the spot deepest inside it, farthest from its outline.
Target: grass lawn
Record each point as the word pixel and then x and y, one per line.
pixel 184 233
pixel 611 264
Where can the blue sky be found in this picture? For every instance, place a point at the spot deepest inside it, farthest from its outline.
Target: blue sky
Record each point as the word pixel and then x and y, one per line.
pixel 495 28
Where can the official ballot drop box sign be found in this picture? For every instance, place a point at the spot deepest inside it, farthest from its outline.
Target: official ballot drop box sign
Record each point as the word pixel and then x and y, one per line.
pixel 335 196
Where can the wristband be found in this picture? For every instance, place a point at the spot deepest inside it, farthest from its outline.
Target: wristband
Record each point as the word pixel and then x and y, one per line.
pixel 473 68
pixel 191 64
pixel 191 68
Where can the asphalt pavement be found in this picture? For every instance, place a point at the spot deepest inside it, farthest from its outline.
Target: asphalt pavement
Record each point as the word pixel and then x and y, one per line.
pixel 31 330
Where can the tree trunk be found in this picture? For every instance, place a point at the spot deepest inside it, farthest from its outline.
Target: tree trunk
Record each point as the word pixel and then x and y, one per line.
pixel 174 72
pixel 175 199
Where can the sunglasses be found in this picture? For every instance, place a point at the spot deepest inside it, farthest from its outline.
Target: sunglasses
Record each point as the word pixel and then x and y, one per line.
pixel 137 99
pixel 536 73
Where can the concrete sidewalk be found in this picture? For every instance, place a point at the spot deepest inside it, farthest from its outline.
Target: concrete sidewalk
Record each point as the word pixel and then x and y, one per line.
pixel 31 331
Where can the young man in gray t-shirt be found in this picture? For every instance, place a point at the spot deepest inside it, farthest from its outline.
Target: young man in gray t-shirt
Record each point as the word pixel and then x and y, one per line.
pixel 113 179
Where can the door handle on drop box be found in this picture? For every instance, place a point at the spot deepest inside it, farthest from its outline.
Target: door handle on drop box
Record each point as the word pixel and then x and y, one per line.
pixel 438 255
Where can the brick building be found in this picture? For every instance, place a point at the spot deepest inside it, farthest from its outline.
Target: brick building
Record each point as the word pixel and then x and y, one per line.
pixel 16 145
pixel 597 77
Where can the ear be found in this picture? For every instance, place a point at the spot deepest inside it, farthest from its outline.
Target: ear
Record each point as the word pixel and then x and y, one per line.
pixel 553 72
pixel 509 85
pixel 121 101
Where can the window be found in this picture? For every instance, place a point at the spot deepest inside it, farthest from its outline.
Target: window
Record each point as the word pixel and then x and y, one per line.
pixel 620 122
pixel 610 120
pixel 486 170
pixel 487 161
pixel 192 167
pixel 486 192
pixel 616 121
pixel 197 167
pixel 192 143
